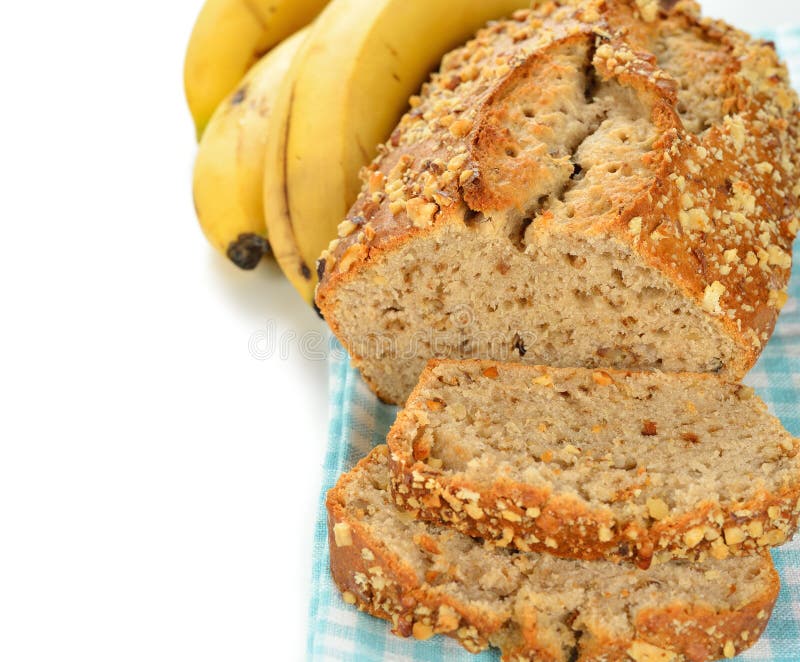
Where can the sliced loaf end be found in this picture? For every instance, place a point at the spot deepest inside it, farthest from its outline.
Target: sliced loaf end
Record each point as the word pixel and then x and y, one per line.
pixel 429 580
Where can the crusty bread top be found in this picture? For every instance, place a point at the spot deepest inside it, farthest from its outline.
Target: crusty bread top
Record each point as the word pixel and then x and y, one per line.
pixel 712 204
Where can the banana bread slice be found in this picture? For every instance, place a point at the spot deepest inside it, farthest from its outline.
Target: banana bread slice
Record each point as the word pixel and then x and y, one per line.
pixel 429 580
pixel 596 463
pixel 593 183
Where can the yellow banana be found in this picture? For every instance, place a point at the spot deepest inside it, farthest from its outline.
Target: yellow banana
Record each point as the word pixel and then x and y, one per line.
pixel 348 87
pixel 228 38
pixel 276 203
pixel 229 171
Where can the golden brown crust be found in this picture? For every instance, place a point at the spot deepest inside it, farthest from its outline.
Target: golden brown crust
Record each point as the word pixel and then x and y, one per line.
pixel 697 632
pixel 511 514
pixel 382 584
pixel 704 634
pixel 717 214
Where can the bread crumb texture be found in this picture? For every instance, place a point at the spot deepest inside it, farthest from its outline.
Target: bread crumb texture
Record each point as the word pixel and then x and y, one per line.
pixel 428 580
pixel 614 180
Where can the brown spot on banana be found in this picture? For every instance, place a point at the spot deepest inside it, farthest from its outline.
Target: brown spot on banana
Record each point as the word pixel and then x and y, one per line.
pixel 248 250
pixel 239 97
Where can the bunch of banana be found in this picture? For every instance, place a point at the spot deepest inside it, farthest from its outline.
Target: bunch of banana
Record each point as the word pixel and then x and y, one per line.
pixel 229 171
pixel 347 85
pixel 229 37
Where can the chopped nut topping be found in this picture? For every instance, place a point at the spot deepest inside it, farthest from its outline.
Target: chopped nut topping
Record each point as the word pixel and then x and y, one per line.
pixel 719 550
pixel 712 296
pixel 694 220
pixel 657 508
pixel 511 516
pixel 421 212
pixel 466 177
pixel 508 536
pixel 743 198
pixel 460 128
pixel 349 598
pixel 467 495
pixel 778 298
pixel 377 182
pixel 448 619
pixel 734 535
pixel 421 631
pixel 729 651
pixel 346 228
pixel 431 500
pixel 473 510
pixel 649 12
pixel 351 256
pixel 604 534
pixel 605 51
pixel 693 537
pixel 341 534
pixel 454 503
pixel 737 131
pixel 778 257
pixel 772 538
pixel 755 529
pixel 457 162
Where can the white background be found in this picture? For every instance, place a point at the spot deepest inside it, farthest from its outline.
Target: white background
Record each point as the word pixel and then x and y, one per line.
pixel 158 484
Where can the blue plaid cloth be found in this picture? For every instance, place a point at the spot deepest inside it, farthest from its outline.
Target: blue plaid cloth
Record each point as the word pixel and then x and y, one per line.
pixel 359 422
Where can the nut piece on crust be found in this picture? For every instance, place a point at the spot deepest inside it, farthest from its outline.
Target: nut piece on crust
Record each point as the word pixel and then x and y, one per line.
pixel 588 183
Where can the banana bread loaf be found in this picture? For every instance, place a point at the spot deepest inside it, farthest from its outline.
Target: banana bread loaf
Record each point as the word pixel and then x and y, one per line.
pixel 429 580
pixel 596 464
pixel 593 183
